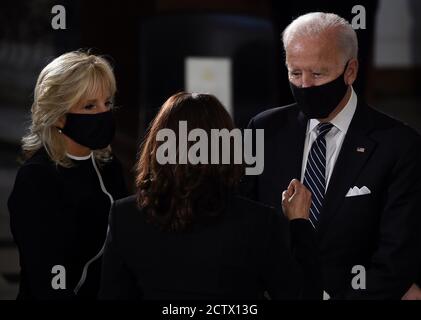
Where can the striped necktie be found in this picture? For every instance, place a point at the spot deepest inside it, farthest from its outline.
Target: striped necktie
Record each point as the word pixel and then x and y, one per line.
pixel 315 174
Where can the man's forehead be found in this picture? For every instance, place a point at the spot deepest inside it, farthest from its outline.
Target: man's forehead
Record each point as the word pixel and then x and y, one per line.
pixel 314 45
pixel 310 65
pixel 309 52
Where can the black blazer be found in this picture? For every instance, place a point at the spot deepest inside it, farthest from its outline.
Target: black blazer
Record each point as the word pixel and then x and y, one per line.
pixel 379 231
pixel 59 216
pixel 240 255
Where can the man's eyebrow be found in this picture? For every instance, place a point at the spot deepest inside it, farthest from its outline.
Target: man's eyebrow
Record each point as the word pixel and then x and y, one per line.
pixel 322 69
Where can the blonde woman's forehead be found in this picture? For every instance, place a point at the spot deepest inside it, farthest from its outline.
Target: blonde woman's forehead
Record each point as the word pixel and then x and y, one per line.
pixel 99 84
pixel 98 93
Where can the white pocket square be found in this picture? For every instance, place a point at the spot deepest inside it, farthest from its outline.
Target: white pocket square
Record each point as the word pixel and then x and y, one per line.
pixel 355 191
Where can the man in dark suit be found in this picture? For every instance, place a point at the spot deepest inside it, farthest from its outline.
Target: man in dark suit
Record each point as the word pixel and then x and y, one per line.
pixel 362 167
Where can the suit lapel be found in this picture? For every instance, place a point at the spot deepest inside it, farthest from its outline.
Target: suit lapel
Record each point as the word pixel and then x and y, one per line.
pixel 356 150
pixel 290 149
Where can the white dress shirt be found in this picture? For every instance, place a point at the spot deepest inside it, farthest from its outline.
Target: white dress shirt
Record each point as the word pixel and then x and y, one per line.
pixel 334 138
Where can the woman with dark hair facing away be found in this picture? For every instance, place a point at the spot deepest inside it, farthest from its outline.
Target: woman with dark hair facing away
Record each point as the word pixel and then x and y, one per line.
pixel 187 234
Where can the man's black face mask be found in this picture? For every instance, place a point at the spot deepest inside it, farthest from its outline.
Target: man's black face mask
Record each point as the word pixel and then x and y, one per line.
pixel 318 102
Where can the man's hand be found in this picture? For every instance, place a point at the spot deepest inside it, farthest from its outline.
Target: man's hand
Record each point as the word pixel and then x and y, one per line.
pixel 296 201
pixel 414 293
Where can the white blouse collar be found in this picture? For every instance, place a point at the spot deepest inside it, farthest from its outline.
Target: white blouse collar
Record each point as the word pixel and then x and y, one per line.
pixel 79 158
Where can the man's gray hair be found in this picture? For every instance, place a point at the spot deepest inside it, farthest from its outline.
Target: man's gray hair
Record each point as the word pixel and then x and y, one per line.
pixel 317 23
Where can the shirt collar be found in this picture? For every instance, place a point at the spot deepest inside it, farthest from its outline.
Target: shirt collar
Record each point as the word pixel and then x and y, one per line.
pixel 79 158
pixel 343 118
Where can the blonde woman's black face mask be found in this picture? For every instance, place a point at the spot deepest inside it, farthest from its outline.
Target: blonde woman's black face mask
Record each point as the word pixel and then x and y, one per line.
pixel 94 131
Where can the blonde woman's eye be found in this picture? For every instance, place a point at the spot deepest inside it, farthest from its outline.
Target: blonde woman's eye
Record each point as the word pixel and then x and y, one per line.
pixel 89 107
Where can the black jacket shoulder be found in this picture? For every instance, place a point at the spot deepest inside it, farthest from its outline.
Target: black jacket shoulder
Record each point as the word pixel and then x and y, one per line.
pixel 128 209
pixel 387 125
pixel 273 117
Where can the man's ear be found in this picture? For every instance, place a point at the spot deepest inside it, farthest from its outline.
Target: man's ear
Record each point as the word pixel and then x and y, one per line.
pixel 351 72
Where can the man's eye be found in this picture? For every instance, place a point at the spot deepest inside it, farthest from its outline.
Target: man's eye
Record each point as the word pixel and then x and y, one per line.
pixel 89 107
pixel 317 74
pixel 296 74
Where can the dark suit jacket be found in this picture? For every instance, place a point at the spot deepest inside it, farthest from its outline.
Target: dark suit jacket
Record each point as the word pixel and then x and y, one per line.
pixel 379 231
pixel 239 256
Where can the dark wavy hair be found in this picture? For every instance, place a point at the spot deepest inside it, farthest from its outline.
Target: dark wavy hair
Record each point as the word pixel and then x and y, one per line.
pixel 173 196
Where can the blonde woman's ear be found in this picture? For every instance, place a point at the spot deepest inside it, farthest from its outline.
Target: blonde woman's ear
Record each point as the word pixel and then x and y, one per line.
pixel 60 123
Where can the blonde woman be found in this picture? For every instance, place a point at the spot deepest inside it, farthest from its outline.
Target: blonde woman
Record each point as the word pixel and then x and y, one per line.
pixel 63 192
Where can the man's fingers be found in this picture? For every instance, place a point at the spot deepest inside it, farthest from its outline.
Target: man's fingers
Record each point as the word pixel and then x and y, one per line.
pixel 297 186
pixel 290 191
pixel 285 196
pixel 293 186
pixel 295 183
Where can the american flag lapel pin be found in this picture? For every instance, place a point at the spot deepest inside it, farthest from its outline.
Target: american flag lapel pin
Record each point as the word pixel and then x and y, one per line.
pixel 361 149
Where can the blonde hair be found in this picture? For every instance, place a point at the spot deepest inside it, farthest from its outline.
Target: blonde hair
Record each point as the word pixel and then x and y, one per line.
pixel 64 82
pixel 317 23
